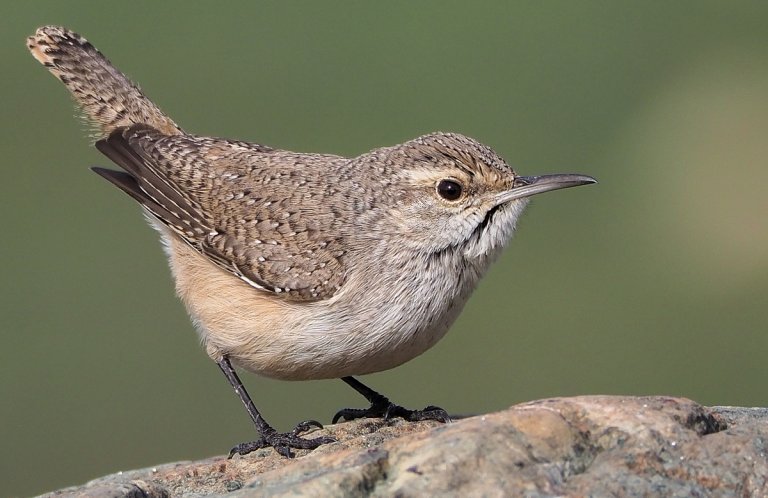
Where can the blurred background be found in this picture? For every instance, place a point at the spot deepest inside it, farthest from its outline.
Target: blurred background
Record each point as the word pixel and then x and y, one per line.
pixel 654 282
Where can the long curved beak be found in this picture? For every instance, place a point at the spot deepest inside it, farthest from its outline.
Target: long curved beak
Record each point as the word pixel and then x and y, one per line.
pixel 526 186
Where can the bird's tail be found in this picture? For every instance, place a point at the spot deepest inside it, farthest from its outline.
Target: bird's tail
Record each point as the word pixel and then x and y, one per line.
pixel 107 97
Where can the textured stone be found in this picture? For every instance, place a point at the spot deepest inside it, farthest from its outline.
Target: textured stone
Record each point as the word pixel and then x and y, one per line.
pixel 590 445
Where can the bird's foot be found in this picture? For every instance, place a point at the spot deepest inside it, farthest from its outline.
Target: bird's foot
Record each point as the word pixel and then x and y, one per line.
pixel 383 408
pixel 285 441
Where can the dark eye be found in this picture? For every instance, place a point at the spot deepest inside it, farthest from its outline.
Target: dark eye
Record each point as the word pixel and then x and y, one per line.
pixel 450 190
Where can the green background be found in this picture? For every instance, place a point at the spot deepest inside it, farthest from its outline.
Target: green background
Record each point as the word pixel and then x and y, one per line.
pixel 655 281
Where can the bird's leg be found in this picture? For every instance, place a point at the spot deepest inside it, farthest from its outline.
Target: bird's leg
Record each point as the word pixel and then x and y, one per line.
pixel 381 407
pixel 281 442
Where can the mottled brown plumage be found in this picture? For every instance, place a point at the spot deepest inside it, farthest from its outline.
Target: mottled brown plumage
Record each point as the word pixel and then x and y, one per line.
pixel 254 211
pixel 304 266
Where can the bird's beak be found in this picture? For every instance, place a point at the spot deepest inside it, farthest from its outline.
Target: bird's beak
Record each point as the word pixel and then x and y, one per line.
pixel 526 186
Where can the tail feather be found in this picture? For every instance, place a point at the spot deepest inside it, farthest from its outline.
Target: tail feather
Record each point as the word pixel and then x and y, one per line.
pixel 108 98
pixel 128 184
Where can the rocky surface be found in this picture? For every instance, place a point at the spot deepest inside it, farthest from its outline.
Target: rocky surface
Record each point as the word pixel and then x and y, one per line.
pixel 583 446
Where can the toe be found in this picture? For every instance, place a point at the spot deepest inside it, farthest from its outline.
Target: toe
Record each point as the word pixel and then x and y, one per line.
pixel 243 449
pixel 306 426
pixel 348 414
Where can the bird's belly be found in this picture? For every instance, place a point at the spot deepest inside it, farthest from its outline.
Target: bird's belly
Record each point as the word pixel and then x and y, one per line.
pixel 294 341
pixel 344 335
pixel 321 349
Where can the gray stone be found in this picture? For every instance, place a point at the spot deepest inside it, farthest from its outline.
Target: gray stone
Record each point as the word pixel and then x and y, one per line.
pixel 582 446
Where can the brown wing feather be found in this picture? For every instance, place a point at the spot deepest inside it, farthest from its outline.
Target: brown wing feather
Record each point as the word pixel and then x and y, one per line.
pixel 154 192
pixel 229 202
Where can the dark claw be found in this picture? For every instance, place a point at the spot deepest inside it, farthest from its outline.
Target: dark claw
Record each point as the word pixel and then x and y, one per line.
pixel 306 426
pixel 245 448
pixel 351 414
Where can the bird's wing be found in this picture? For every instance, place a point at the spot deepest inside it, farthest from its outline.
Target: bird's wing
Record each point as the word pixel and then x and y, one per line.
pixel 253 211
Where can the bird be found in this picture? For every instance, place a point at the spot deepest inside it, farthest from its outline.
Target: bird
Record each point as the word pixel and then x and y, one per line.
pixel 302 266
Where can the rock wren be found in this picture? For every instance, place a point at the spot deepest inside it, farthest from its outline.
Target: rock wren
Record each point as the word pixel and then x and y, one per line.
pixel 304 266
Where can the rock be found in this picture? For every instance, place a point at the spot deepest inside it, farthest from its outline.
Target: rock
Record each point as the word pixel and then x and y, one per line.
pixel 589 445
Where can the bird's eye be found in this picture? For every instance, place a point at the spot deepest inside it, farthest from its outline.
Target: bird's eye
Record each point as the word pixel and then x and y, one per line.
pixel 448 189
